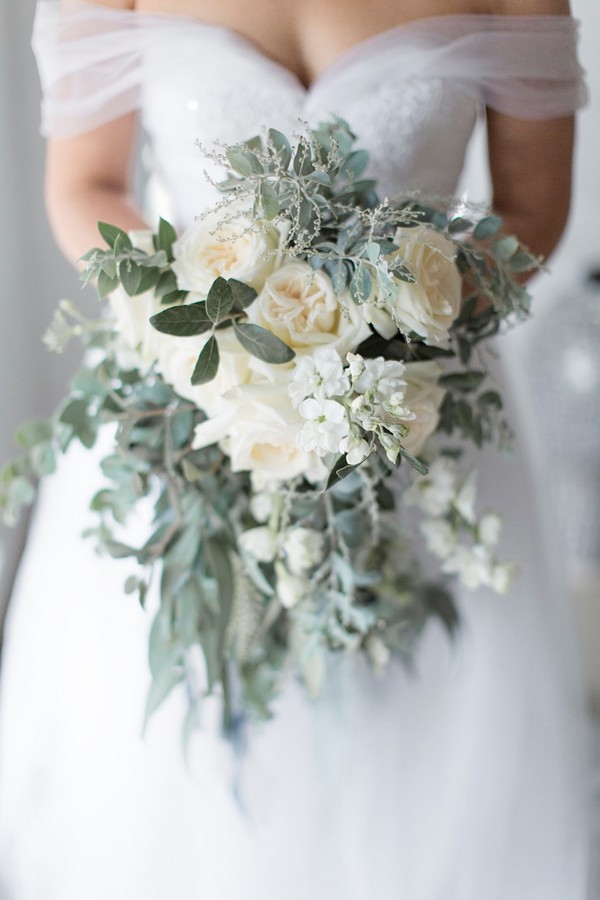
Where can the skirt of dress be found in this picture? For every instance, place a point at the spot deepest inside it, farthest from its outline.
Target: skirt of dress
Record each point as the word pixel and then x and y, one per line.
pixel 464 780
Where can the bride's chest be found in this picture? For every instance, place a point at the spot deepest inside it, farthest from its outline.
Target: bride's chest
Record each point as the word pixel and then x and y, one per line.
pixel 211 85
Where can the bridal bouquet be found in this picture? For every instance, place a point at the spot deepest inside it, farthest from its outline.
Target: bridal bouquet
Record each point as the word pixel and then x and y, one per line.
pixel 291 382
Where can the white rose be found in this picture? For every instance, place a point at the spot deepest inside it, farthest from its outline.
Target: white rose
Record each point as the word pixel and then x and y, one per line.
pixel 423 397
pixel 430 305
pixel 132 314
pixel 303 548
pixel 261 543
pixel 177 358
pixel 258 428
pixel 300 306
pixel 234 249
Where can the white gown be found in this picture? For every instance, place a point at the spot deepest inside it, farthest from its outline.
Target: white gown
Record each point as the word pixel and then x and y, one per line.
pixel 462 781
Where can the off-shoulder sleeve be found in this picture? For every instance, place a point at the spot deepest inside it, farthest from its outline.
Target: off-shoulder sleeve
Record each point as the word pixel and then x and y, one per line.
pixel 89 60
pixel 524 66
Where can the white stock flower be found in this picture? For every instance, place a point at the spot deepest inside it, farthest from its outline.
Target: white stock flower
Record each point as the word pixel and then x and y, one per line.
pixel 381 378
pixel 300 306
pixel 502 577
pixel 356 365
pixel 440 537
pixel 291 589
pixel 464 502
pixel 472 565
pixel 320 374
pixel 326 425
pixel 489 529
pixel 378 653
pixel 423 397
pixel 430 305
pixel 434 492
pixel 303 548
pixel 212 248
pixel 260 542
pixel 355 448
pixel 262 506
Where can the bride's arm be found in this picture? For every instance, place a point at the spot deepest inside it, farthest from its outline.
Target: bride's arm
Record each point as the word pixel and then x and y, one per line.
pixel 530 165
pixel 88 180
pixel 531 161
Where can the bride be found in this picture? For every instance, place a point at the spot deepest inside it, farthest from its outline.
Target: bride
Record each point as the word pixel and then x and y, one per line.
pixel 461 781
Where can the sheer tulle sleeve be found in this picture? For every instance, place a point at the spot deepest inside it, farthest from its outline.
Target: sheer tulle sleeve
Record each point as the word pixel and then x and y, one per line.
pixel 91 62
pixel 89 59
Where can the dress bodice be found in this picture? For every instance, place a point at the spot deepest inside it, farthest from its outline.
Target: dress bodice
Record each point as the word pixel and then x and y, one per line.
pixel 410 94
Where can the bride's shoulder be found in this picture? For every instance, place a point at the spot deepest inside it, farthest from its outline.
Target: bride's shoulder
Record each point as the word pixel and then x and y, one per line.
pixel 531 7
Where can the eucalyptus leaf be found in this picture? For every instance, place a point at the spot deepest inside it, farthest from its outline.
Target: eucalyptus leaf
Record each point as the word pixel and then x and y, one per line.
pixel 183 321
pixel 220 300
pixel 280 146
pixel 130 276
pixel 267 201
pixel 110 233
pixel 487 228
pixel 207 365
pixel 165 238
pixel 262 343
pixel 243 294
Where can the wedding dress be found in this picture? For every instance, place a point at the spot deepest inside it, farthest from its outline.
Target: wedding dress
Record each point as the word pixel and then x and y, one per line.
pixel 463 780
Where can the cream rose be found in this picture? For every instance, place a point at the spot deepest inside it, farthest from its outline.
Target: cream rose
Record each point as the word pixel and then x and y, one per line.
pixel 300 306
pixel 235 249
pixel 177 357
pixel 430 305
pixel 132 314
pixel 423 397
pixel 258 429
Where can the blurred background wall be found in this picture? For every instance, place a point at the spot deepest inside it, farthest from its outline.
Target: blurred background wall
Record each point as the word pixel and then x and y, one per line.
pixel 565 376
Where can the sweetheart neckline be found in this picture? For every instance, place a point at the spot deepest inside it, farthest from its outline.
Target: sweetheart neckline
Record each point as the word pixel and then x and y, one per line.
pixel 342 60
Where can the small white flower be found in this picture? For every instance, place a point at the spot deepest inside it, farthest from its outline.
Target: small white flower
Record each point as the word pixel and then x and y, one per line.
pixel 326 427
pixel 291 589
pixel 502 577
pixel 489 529
pixel 381 377
pixel 435 492
pixel 261 506
pixel 355 448
pixel 465 499
pixel 321 375
pixel 260 542
pixel 472 565
pixel 397 408
pixel 391 445
pixel 378 653
pixel 440 537
pixel 303 548
pixel 356 365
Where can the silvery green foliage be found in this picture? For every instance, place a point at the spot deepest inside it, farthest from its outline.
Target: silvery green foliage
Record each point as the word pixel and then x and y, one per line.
pixel 258 616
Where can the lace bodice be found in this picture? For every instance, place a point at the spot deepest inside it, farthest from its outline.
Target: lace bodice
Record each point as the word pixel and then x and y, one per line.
pixel 410 94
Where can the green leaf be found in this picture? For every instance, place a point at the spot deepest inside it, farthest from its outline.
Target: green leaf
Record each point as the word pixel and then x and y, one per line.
pixel 463 381
pixel 76 415
pixel 268 201
pixel 207 365
pixel 149 277
pixel 243 294
pixel 280 146
pixel 43 459
pixel 165 238
pixel 220 566
pixel 504 248
pixel 262 343
pixel 303 164
pixel 219 301
pixel 373 251
pixel 490 398
pixel 244 162
pixel 354 164
pixel 459 225
pixel 487 228
pixel 421 468
pixel 182 321
pixel 361 284
pixel 110 233
pixel 31 433
pixel 106 285
pixel 167 284
pixel 340 470
pixel 130 275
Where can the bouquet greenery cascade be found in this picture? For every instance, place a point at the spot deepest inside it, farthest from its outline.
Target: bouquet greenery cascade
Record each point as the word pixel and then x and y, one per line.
pixel 291 382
